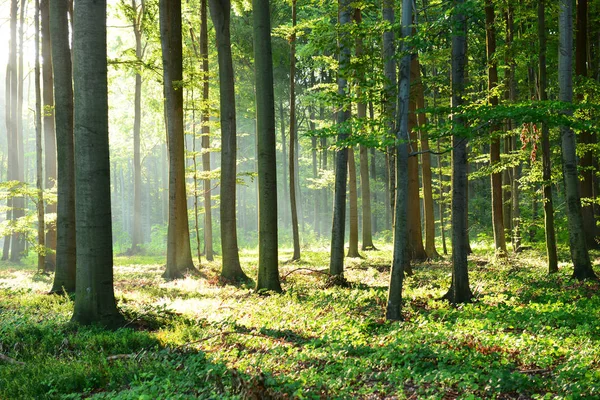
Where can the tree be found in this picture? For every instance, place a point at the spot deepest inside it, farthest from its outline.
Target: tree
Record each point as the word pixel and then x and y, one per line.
pixel 338 230
pixel 353 206
pixel 293 138
pixel 94 299
pixel 389 68
pixel 579 252
pixel 459 292
pixel 268 270
pixel 394 305
pixel 220 11
pixel 549 230
pixel 50 168
pixel 179 254
pixel 208 235
pixel 496 176
pixel 65 276
pixel 38 146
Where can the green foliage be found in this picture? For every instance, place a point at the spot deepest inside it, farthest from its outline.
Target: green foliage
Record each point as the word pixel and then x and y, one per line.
pixel 527 333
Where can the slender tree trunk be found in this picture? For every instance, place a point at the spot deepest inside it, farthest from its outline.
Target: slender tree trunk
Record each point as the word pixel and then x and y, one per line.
pixel 549 230
pixel 579 253
pixel 38 146
pixel 459 292
pixel 95 299
pixel 284 168
pixel 268 270
pixel 49 128
pixel 586 162
pixel 353 205
pixel 64 278
pixel 293 139
pixel 195 166
pixel 208 231
pixel 179 255
pixel 496 178
pixel 389 68
pixel 401 234
pixel 338 231
pixel 315 172
pixel 365 186
pixel 220 11
pixel 9 138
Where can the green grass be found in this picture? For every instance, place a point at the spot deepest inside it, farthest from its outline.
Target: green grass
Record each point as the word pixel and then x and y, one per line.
pixel 526 334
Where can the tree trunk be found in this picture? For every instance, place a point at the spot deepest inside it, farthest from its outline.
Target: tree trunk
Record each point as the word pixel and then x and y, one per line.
pixel 459 292
pixel 579 253
pixel 586 162
pixel 496 178
pixel 38 146
pixel 389 105
pixel 208 232
pixel 220 11
pixel 338 230
pixel 549 230
pixel 268 270
pixel 293 139
pixel 179 254
pixel 353 206
pixel 315 171
pixel 401 234
pixel 8 93
pixel 48 116
pixel 64 278
pixel 136 237
pixel 95 300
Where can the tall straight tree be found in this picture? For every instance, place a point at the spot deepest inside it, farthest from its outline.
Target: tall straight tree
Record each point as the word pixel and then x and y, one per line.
pixel 179 254
pixel 549 230
pixel 220 12
pixel 459 291
pixel 496 176
pixel 353 205
pixel 389 99
pixel 38 144
pixel 64 278
pixel 394 305
pixel 268 269
pixel 579 252
pixel 94 299
pixel 293 138
pixel 49 127
pixel 338 230
pixel 208 234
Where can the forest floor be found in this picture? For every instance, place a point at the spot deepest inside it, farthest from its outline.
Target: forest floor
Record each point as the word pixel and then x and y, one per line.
pixel 526 335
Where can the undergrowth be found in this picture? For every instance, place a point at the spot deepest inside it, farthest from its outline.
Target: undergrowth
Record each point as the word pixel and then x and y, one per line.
pixel 526 335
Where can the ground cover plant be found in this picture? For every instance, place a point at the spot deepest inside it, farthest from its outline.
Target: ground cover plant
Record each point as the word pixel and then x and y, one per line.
pixel 527 334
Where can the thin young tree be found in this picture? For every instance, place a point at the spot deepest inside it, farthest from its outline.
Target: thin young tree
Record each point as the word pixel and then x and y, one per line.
pixel 579 252
pixel 220 12
pixel 64 278
pixel 338 230
pixel 179 254
pixel 496 176
pixel 94 300
pixel 293 139
pixel 268 269
pixel 205 119
pixel 389 101
pixel 352 206
pixel 549 230
pixel 459 291
pixel 38 146
pixel 394 305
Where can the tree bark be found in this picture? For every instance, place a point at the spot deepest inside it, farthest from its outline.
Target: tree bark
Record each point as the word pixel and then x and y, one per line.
pixel 220 11
pixel 338 230
pixel 459 292
pixel 496 176
pixel 268 270
pixel 65 276
pixel 95 299
pixel 48 116
pixel 38 146
pixel 579 252
pixel 389 68
pixel 208 231
pixel 179 254
pixel 353 206
pixel 293 139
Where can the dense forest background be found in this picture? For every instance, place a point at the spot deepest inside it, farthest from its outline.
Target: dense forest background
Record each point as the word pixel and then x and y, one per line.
pixel 429 162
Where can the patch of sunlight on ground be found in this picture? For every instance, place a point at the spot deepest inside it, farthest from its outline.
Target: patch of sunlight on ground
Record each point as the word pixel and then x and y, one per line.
pixel 15 279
